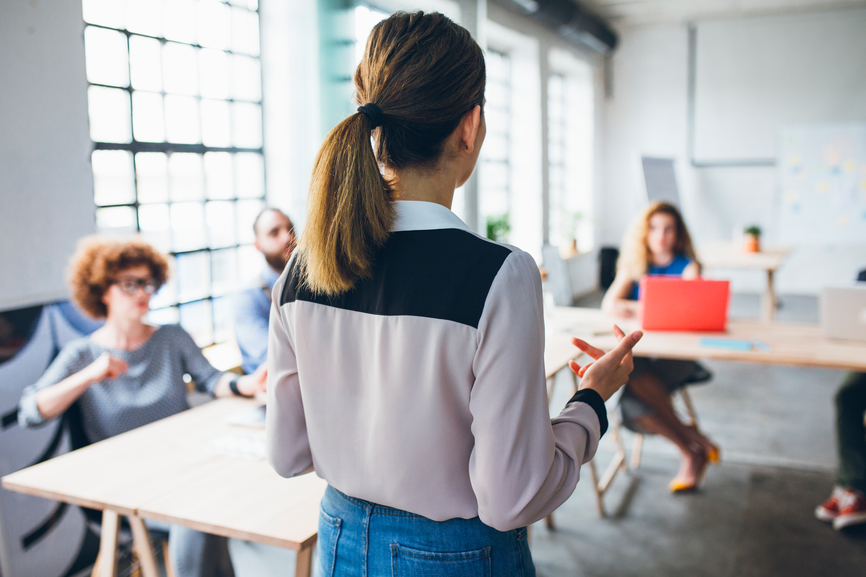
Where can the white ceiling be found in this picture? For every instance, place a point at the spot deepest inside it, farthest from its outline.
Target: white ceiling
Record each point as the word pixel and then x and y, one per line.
pixel 628 12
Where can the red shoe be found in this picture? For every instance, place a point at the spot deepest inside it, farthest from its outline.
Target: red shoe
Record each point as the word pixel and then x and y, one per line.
pixel 829 509
pixel 852 509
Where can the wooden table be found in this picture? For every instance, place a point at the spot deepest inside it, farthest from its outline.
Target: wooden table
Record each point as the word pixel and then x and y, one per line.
pixel 169 471
pixel 729 255
pixel 789 343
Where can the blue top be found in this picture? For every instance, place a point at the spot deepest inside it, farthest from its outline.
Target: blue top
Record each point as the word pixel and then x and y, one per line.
pixel 673 268
pixel 152 387
pixel 252 309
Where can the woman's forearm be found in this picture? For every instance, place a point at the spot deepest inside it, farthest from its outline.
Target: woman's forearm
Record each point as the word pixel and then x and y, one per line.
pixel 54 400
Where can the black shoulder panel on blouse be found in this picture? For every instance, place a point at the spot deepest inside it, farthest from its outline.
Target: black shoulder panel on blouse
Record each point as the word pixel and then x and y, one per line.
pixel 441 274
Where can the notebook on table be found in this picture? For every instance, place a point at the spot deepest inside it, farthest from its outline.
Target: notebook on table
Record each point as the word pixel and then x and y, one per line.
pixel 671 303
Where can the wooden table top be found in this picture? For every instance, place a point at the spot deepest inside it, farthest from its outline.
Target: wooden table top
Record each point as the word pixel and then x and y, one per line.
pixel 729 255
pixel 170 470
pixel 789 344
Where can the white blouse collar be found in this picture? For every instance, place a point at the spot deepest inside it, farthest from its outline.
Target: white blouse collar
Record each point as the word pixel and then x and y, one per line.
pixel 420 215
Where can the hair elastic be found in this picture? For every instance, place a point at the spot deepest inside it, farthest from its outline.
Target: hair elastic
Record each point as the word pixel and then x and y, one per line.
pixel 374 113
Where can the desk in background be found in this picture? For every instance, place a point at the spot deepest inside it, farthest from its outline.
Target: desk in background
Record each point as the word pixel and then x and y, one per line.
pixel 729 255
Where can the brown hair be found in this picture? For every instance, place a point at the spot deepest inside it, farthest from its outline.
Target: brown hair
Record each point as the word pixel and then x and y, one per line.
pixel 424 72
pixel 98 261
pixel 635 256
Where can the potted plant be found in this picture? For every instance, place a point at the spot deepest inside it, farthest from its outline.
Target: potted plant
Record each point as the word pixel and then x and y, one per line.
pixel 752 239
pixel 571 221
pixel 498 227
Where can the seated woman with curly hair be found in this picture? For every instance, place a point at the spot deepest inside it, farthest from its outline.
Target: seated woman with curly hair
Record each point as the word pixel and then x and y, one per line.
pixel 129 373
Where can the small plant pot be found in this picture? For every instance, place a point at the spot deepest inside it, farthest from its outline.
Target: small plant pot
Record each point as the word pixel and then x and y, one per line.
pixel 751 243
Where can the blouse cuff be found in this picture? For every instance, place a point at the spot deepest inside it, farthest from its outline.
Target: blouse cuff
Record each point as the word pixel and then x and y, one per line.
pixel 594 400
pixel 28 412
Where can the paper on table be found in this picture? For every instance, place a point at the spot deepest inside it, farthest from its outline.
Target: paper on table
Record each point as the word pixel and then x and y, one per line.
pixel 241 445
pixel 734 344
pixel 254 418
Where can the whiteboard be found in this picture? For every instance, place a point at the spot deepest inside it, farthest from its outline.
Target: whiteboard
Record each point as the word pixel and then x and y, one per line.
pixel 822 178
pixel 753 76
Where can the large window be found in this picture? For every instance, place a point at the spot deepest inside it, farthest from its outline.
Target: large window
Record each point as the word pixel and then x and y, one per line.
pixel 175 116
pixel 570 120
pixel 495 175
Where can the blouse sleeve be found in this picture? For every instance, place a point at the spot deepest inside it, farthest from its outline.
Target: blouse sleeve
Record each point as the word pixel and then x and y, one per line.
pixel 523 465
pixel 70 360
pixel 203 374
pixel 288 447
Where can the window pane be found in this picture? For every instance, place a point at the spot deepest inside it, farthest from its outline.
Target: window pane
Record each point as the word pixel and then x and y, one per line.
pixel 113 181
pixel 180 69
pixel 182 119
pixel 222 319
pixel 247 78
pixel 151 171
pixel 180 20
pixel 167 316
pixel 247 211
pixel 119 220
pixel 224 271
pixel 106 56
pixel 188 229
pixel 214 28
pixel 218 172
pixel 148 117
pixel 220 217
pixel 154 222
pixel 250 263
pixel 187 176
pixel 215 123
pixel 109 114
pixel 214 68
pixel 247 124
pixel 249 175
pixel 196 319
pixel 145 16
pixel 145 61
pixel 105 12
pixel 251 4
pixel 245 32
pixel 193 275
pixel 167 294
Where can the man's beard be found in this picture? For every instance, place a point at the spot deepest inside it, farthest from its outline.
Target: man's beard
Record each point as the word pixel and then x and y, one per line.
pixel 278 261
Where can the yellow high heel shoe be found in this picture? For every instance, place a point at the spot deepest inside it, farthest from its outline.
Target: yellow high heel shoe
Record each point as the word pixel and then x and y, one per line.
pixel 677 485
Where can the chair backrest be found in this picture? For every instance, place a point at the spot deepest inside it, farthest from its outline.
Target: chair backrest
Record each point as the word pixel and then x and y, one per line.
pixel 37 536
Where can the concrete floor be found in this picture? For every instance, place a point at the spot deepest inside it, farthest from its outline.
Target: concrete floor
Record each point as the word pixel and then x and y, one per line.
pixel 753 514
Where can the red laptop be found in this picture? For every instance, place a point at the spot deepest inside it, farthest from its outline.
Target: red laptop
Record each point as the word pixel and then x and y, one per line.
pixel 671 303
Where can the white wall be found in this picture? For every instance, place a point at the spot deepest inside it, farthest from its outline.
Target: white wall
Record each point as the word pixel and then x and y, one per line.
pixel 46 186
pixel 648 114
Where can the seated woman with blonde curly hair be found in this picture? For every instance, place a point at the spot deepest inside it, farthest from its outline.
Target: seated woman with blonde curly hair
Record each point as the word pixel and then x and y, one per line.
pixel 129 373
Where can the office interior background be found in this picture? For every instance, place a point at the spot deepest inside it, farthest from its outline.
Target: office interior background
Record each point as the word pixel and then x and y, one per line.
pixel 181 119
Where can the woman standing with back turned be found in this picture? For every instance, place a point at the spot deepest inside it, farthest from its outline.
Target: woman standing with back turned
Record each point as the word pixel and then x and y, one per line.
pixel 406 352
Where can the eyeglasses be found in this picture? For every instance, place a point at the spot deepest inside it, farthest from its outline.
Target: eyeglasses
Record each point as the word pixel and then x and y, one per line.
pixel 131 285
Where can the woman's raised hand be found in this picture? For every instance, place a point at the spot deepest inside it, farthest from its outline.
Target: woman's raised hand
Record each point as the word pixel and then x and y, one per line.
pixel 105 367
pixel 609 371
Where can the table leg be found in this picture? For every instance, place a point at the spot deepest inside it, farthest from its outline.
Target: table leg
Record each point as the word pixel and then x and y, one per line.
pixel 768 306
pixel 304 564
pixel 107 561
pixel 143 546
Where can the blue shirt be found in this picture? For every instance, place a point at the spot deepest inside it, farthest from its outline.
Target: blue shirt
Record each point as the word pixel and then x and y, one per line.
pixel 673 268
pixel 252 308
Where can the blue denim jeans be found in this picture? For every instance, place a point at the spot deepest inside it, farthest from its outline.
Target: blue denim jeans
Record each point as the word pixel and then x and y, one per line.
pixel 359 538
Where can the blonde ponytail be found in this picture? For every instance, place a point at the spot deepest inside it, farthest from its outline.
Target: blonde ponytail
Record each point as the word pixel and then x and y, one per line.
pixel 350 211
pixel 419 75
